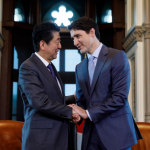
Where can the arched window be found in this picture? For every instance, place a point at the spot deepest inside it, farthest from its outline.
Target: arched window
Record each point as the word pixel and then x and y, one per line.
pixel 104 12
pixel 107 18
pixel 18 16
pixel 15 63
pixel 15 87
pixel 62 14
pixel 62 17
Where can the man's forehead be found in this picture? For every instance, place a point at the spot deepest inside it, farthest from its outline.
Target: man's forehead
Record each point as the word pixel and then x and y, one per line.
pixel 55 32
pixel 74 32
pixel 56 35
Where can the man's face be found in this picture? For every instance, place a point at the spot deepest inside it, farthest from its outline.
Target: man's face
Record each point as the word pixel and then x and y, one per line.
pixel 82 40
pixel 53 47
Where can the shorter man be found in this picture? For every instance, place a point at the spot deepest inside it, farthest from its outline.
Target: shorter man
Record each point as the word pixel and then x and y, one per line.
pixel 45 112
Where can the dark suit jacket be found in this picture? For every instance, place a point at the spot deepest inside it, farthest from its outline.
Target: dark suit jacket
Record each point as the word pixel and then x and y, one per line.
pixel 45 112
pixel 107 100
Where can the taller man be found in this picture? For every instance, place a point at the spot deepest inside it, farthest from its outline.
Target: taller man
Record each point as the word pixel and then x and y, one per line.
pixel 45 112
pixel 102 87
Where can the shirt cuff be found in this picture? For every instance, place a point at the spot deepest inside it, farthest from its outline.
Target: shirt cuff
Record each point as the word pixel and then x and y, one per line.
pixel 88 115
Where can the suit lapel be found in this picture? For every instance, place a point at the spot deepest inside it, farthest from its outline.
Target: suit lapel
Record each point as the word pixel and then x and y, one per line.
pixel 59 79
pixel 99 65
pixel 85 73
pixel 45 72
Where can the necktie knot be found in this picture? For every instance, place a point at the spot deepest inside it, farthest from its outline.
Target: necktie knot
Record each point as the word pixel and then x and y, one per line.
pixel 51 70
pixel 91 58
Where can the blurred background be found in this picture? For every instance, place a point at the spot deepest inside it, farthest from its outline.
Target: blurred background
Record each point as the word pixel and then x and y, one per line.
pixel 123 24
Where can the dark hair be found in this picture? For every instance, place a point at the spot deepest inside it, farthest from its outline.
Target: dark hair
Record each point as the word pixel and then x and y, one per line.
pixel 85 24
pixel 43 31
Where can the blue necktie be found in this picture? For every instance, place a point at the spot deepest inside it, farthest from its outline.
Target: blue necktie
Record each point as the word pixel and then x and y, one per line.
pixel 51 70
pixel 91 68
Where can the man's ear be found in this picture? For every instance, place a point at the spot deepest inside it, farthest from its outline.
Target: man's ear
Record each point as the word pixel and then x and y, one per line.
pixel 42 45
pixel 92 32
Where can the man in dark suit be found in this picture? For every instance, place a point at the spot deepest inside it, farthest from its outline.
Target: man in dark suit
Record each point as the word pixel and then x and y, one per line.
pixel 102 87
pixel 46 115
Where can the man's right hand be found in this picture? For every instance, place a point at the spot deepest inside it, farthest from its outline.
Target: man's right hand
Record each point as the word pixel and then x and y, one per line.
pixel 75 116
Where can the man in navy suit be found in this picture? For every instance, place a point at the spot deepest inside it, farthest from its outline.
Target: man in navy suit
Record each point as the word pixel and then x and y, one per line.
pixel 102 87
pixel 46 115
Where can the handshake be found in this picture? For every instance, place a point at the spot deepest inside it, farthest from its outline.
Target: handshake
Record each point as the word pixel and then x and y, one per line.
pixel 78 113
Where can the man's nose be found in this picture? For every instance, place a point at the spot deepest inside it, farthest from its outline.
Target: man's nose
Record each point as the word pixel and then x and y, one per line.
pixel 59 46
pixel 76 42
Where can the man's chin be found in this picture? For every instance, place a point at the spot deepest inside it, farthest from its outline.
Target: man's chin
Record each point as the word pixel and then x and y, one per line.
pixel 55 57
pixel 82 51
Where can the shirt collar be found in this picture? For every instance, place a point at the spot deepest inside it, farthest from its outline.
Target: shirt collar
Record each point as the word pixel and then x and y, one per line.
pixel 42 59
pixel 96 52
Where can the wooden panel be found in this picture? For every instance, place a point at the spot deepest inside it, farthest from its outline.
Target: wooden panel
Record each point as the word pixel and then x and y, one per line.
pixel 6 75
pixel 90 9
pixel 118 37
pixel 20 25
pixel 8 11
pixel 35 9
pixel 6 61
pixel 118 11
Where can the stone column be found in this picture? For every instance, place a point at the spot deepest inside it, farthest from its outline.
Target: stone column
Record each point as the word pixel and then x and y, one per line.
pixel 1 41
pixel 133 46
pixel 146 28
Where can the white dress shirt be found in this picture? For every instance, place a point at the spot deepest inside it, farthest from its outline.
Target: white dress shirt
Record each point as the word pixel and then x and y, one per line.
pixel 46 64
pixel 95 54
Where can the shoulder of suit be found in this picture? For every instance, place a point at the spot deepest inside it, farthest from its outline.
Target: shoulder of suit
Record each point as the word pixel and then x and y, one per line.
pixel 82 62
pixel 27 63
pixel 113 52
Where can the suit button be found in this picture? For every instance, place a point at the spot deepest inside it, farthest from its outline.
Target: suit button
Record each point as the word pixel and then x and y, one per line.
pixel 92 103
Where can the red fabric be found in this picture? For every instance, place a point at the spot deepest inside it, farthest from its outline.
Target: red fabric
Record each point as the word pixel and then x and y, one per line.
pixel 80 127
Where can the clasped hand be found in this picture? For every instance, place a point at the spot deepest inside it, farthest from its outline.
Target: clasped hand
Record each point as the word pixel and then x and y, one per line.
pixel 77 113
